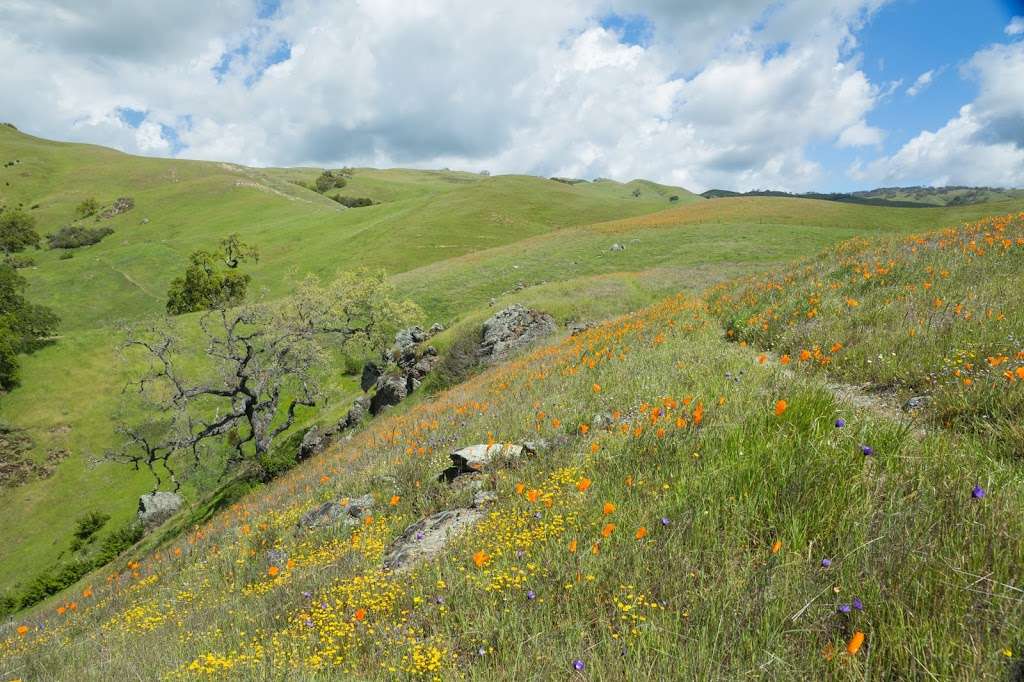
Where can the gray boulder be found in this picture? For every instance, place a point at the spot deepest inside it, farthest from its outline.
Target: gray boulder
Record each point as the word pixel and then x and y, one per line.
pixel 513 328
pixel 617 247
pixel 329 513
pixel 155 508
pixel 428 537
pixel 435 329
pixel 391 390
pixel 478 458
pixel 355 413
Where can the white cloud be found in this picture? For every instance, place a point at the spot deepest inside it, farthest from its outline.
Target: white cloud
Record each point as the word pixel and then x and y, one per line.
pixel 1015 27
pixel 922 82
pixel 983 144
pixel 534 87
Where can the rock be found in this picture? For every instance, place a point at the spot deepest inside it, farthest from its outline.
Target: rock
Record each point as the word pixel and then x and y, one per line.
pixel 601 421
pixel 329 513
pixel 482 498
pixel 371 372
pixel 427 537
pixel 391 390
pixel 916 403
pixel 314 442
pixel 513 328
pixel 144 221
pixel 435 329
pixel 121 205
pixel 477 458
pixel 410 337
pixel 355 413
pixel 155 508
pixel 423 366
pixel 617 247
pixel 580 327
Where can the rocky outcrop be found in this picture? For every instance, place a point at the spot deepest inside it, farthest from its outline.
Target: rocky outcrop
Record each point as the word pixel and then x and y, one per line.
pixel 511 329
pixel 428 537
pixel 155 508
pixel 480 458
pixel 407 363
pixel 349 512
pixel 121 205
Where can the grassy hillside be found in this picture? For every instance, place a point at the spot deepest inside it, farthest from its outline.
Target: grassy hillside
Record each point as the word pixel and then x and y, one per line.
pixel 71 389
pixel 697 509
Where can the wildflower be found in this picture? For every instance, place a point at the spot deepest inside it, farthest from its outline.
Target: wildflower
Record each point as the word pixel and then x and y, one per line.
pixel 481 558
pixel 395 499
pixel 532 495
pixel 597 388
pixel 858 604
pixel 572 546
pixel 584 428
pixel 840 423
pixel 608 529
pixel 307 595
pixel 665 521
pixel 578 665
pixel 531 595
pixel 641 533
pixel 360 614
pixel 555 423
pixel 22 630
pixel 825 563
pixel 977 492
pixel 608 508
pixel 785 359
pixel 780 407
pixel 855 643
pixel 273 570
pixel 520 487
pixel 761 358
pixel 419 535
pixel 698 414
pixel 776 546
pixel 1019 372
pixel 583 484
pixel 867 450
pixel 843 608
pixel 1008 652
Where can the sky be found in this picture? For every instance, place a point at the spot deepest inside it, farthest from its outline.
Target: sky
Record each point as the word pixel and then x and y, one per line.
pixel 798 95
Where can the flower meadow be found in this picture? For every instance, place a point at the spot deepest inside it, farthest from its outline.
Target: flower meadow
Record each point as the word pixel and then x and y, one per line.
pixel 695 509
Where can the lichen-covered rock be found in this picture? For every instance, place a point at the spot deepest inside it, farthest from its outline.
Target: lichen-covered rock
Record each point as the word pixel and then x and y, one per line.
pixel 477 458
pixel 348 511
pixel 391 390
pixel 511 329
pixel 155 508
pixel 428 537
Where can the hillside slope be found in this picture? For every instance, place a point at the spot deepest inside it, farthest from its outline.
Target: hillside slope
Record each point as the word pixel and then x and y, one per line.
pixel 695 509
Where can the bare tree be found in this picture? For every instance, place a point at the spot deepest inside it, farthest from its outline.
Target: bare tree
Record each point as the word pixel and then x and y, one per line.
pixel 252 368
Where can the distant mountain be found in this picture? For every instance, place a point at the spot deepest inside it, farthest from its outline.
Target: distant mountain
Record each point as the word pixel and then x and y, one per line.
pixel 898 197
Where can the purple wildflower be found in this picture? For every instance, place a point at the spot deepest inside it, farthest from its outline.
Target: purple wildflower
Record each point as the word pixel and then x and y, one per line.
pixel 867 450
pixel 419 535
pixel 665 521
pixel 977 492
pixel 578 664
pixel 825 563
pixel 531 595
pixel 843 608
pixel 439 599
pixel 840 423
pixel 307 595
pixel 858 604
pixel 537 515
pixel 309 623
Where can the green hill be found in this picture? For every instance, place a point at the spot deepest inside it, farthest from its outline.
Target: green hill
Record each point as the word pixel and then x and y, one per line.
pixel 723 485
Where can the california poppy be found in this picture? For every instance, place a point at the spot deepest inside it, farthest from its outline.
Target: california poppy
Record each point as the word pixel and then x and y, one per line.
pixel 583 484
pixel 608 508
pixel 855 643
pixel 481 558
pixel 780 407
pixel 641 533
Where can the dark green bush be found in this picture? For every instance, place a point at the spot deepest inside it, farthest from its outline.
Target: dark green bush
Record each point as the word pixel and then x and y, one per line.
pixel 75 236
pixel 353 202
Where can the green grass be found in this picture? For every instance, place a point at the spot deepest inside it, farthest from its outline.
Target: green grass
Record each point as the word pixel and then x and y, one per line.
pixel 703 597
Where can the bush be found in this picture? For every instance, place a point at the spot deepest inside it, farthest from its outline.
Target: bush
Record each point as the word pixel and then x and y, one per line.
pixel 74 236
pixel 331 180
pixel 87 525
pixel 353 202
pixel 87 208
pixel 67 255
pixel 18 262
pixel 17 231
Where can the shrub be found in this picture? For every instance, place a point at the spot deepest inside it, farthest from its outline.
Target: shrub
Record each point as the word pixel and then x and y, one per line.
pixel 211 279
pixel 330 180
pixel 88 524
pixel 86 208
pixel 353 202
pixel 17 231
pixel 75 236
pixel 18 262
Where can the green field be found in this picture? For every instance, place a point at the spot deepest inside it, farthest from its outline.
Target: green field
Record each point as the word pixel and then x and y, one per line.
pixel 451 242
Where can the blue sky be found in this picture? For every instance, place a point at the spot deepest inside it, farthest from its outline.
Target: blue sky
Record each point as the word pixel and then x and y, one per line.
pixel 826 95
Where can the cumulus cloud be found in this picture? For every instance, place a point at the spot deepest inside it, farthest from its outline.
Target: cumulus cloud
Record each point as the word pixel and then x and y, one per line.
pixel 983 144
pixel 718 94
pixel 1015 27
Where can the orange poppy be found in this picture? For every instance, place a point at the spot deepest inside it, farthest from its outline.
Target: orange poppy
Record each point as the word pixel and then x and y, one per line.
pixel 360 614
pixel 641 533
pixel 608 529
pixel 776 546
pixel 608 508
pixel 395 499
pixel 520 487
pixel 855 643
pixel 597 388
pixel 780 407
pixel 532 495
pixel 583 484
pixel 481 558
pixel 22 630
pixel 273 570
pixel 784 359
pixel 572 546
